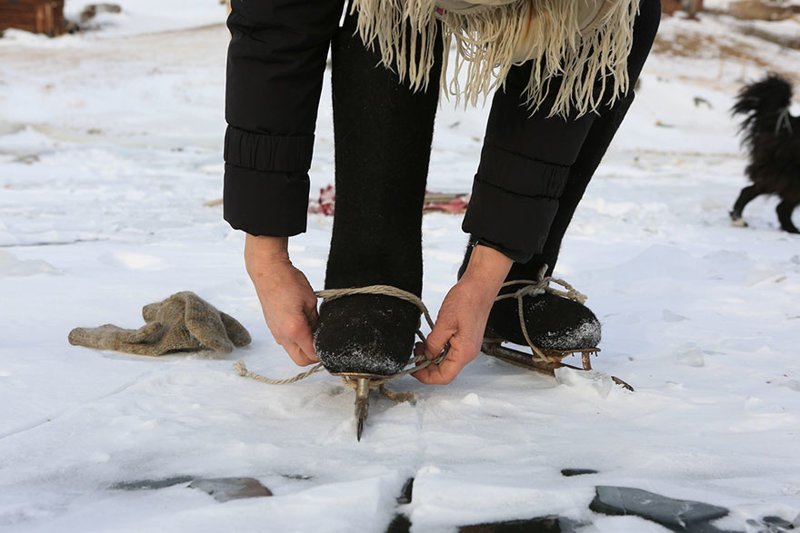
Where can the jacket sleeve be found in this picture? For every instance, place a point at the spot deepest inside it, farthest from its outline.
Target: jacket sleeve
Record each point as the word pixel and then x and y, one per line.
pixel 276 64
pixel 524 168
pixel 514 201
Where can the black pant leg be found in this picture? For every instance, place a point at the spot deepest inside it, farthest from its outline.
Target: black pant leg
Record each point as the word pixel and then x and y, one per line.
pixel 595 146
pixel 602 132
pixel 383 132
pixel 534 168
pixel 523 169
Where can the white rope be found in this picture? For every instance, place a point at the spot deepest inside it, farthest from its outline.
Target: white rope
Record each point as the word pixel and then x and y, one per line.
pixel 535 288
pixel 418 362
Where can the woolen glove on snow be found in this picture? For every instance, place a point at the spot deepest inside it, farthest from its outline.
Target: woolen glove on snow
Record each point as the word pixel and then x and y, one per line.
pixel 184 322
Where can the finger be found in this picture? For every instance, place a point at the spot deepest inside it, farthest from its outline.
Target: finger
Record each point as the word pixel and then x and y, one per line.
pixel 299 332
pixel 441 333
pixel 297 355
pixel 419 349
pixel 306 344
pixel 312 315
pixel 441 374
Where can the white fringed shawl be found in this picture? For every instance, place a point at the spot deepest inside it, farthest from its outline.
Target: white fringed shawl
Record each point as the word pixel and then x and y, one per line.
pixel 587 42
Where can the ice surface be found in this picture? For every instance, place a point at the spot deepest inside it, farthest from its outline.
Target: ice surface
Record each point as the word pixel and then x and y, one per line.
pixel 110 145
pixel 11 266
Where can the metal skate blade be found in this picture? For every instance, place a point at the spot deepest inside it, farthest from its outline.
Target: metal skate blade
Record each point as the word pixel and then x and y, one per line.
pixel 526 360
pixel 362 405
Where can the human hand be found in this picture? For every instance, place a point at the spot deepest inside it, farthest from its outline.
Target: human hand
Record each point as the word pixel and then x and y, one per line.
pixel 462 318
pixel 287 300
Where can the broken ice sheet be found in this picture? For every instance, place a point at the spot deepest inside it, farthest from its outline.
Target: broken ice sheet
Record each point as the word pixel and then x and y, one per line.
pixel 587 380
pixel 10 265
pixel 221 489
pixel 690 356
pixel 151 484
pixel 670 316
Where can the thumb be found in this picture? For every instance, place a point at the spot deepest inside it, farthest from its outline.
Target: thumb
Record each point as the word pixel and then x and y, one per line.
pixel 312 315
pixel 306 344
pixel 442 331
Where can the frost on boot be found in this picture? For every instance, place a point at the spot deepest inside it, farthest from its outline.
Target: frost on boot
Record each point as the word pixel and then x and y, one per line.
pixel 366 334
pixel 554 320
pixel 553 323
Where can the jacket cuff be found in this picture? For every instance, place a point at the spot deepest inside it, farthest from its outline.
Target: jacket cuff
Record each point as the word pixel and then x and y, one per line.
pixel 265 203
pixel 266 182
pixel 268 153
pixel 514 201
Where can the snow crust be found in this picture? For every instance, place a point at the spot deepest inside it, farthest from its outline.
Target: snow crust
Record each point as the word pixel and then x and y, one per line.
pixel 110 144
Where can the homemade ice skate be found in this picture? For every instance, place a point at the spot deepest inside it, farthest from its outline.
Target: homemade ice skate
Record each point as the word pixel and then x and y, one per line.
pixel 546 355
pixel 363 383
pixel 543 359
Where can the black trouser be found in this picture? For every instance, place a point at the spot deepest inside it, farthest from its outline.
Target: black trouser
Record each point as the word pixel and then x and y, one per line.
pixel 533 169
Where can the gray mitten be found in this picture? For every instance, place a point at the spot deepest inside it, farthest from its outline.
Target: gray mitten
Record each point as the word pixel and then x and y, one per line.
pixel 184 322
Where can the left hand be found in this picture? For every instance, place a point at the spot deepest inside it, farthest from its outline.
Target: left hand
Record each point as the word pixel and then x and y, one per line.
pixel 462 318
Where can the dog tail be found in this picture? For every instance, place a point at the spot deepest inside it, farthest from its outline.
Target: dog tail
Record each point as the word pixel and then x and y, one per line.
pixel 761 104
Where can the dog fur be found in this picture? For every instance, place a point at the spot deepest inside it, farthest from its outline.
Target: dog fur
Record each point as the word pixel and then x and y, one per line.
pixel 772 138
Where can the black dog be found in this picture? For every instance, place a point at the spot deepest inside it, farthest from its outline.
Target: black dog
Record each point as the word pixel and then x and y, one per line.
pixel 772 137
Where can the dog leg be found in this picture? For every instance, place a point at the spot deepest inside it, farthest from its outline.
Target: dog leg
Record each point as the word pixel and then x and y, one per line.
pixel 745 197
pixel 784 210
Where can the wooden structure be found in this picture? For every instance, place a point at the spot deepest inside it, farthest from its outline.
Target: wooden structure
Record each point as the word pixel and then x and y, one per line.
pixel 37 16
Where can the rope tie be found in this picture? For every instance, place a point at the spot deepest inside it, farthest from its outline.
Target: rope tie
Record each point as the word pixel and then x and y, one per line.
pixel 535 288
pixel 418 362
pixel 242 370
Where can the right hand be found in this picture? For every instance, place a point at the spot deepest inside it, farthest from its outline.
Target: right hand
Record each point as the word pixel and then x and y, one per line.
pixel 287 300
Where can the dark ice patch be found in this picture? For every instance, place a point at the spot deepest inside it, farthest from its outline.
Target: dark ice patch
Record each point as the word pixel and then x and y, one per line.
pixel 231 488
pixel 774 524
pixel 399 524
pixel 542 524
pixel 152 484
pixel 569 472
pixel 677 515
pixel 297 477
pixel 407 492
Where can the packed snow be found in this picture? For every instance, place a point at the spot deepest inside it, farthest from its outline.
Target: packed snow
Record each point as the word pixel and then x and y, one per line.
pixel 110 146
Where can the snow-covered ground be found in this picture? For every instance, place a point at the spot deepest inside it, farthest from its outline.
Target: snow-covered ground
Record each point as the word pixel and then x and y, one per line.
pixel 110 144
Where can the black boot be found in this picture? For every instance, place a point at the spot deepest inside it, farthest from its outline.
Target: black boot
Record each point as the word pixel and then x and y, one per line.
pixel 554 322
pixel 383 134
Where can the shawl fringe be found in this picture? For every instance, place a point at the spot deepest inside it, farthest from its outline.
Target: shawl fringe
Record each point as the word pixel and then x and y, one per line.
pixel 489 39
